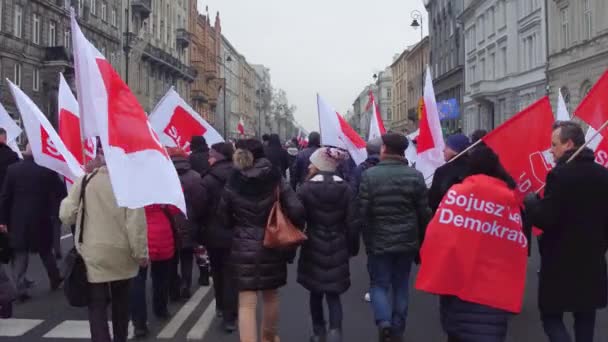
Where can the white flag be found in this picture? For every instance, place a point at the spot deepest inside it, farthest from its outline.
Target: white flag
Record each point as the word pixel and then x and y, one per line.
pixel 140 169
pixel 47 148
pixel 12 130
pixel 562 110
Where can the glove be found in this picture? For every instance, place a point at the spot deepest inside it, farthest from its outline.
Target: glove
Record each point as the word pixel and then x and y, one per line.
pixel 531 200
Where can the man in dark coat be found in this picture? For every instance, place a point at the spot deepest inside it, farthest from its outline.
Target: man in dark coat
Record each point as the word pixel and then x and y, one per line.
pixel 199 158
pixel 7 155
pixel 303 159
pixel 277 154
pixel 453 172
pixel 394 210
pixel 216 237
pixel 26 201
pixel 373 158
pixel 572 215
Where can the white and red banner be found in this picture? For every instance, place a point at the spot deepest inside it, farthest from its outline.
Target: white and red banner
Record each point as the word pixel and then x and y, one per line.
pixel 241 127
pixel 523 144
pixel 376 126
pixel 335 131
pixel 140 169
pixel 562 110
pixel 12 130
pixel 48 149
pixel 430 139
pixel 69 125
pixel 176 123
pixel 474 248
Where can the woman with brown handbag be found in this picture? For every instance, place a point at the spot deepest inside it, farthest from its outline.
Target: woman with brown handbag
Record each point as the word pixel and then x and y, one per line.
pixel 245 207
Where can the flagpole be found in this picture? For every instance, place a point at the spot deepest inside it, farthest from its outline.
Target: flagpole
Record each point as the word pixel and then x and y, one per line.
pixel 319 117
pixel 580 149
pixel 459 155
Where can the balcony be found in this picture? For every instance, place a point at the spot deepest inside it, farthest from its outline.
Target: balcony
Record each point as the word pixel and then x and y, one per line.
pixel 199 95
pixel 142 7
pixel 58 55
pixel 183 38
pixel 167 61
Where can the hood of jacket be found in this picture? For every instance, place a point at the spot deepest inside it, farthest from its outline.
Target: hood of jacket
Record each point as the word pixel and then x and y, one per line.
pixel 585 155
pixel 182 164
pixel 221 170
pixel 252 176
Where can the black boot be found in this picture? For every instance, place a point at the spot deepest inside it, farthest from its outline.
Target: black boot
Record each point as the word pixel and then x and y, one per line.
pixel 384 334
pixel 319 332
pixel 334 335
pixel 203 279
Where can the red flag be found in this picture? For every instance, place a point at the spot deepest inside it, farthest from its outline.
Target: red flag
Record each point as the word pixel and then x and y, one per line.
pixel 474 247
pixel 594 108
pixel 523 144
pixel 241 127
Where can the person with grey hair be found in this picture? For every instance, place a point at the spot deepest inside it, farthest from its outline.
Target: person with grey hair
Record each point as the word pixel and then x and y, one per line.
pixel 572 214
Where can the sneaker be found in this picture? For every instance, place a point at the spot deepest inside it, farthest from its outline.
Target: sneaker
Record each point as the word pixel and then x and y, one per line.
pixel 185 293
pixel 367 297
pixel 229 326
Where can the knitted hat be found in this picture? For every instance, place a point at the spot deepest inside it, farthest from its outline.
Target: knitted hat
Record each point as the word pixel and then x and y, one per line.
pixel 458 142
pixel 326 159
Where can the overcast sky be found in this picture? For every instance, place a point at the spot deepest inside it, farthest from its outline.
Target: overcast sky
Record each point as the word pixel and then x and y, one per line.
pixel 332 47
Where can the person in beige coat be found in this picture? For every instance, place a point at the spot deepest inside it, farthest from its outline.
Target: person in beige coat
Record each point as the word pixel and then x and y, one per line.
pixel 114 247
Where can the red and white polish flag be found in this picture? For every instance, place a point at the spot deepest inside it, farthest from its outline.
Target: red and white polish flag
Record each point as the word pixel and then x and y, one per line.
pixel 176 123
pixel 376 126
pixel 430 139
pixel 48 149
pixel 335 131
pixel 69 125
pixel 140 169
pixel 241 127
pixel 12 130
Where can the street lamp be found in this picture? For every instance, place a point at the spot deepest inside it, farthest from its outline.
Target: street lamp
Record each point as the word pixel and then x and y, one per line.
pixel 260 93
pixel 418 23
pixel 228 59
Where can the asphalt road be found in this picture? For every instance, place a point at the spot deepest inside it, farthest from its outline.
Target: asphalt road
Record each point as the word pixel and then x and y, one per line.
pixel 47 317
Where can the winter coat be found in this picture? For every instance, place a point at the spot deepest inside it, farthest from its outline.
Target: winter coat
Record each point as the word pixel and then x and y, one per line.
pixel 199 161
pixel 187 228
pixel 355 181
pixel 445 176
pixel 7 158
pixel 345 169
pixel 29 195
pixel 573 217
pixel 214 233
pixel 278 157
pixel 300 167
pixel 393 205
pixel 114 238
pixel 161 242
pixel 472 322
pixel 332 234
pixel 245 206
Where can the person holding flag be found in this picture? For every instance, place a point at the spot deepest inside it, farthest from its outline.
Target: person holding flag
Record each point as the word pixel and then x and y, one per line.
pixel 452 172
pixel 572 215
pixel 478 220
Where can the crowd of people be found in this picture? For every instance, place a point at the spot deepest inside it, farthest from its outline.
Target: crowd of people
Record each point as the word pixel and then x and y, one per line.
pixel 230 190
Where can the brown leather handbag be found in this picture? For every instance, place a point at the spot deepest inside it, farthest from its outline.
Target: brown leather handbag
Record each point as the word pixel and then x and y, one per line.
pixel 280 232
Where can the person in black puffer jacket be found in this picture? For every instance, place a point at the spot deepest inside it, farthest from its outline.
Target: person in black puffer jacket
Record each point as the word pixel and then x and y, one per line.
pixel 199 159
pixel 216 237
pixel 332 238
pixel 277 155
pixel 245 206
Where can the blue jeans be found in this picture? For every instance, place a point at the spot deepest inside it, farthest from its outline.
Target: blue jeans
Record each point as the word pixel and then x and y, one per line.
pixel 584 327
pixel 388 271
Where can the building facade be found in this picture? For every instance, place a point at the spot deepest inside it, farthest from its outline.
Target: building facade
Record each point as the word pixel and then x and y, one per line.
pixel 228 106
pixel 247 97
pixel 361 112
pixel 447 54
pixel 156 55
pixel 578 47
pixel 384 84
pixel 417 61
pixel 263 97
pixel 204 58
pixel 36 45
pixel 505 59
pixel 399 96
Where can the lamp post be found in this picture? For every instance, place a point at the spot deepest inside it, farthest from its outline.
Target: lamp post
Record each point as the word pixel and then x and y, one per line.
pixel 127 47
pixel 417 23
pixel 228 60
pixel 260 93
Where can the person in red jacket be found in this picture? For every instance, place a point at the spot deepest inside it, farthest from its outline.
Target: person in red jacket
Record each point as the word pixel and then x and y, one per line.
pixel 161 248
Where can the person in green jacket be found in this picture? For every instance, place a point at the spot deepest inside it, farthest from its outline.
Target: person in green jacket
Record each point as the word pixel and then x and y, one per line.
pixel 393 202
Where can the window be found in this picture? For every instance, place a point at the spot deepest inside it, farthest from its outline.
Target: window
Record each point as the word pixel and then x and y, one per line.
pixel 1 12
pixel 587 24
pixel 67 4
pixel 492 70
pixel 389 93
pixel 67 39
pixel 80 7
pixel 565 28
pixel 503 58
pixel 483 69
pixel 104 11
pixel 480 27
pixel 52 33
pixel 36 79
pixel 114 18
pixel 93 8
pixel 492 21
pixel 36 29
pixel 17 75
pixel 18 22
pixel 389 114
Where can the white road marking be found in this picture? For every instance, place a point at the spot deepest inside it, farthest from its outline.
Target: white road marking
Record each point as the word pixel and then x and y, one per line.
pixel 14 327
pixel 66 236
pixel 182 315
pixel 76 330
pixel 202 325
